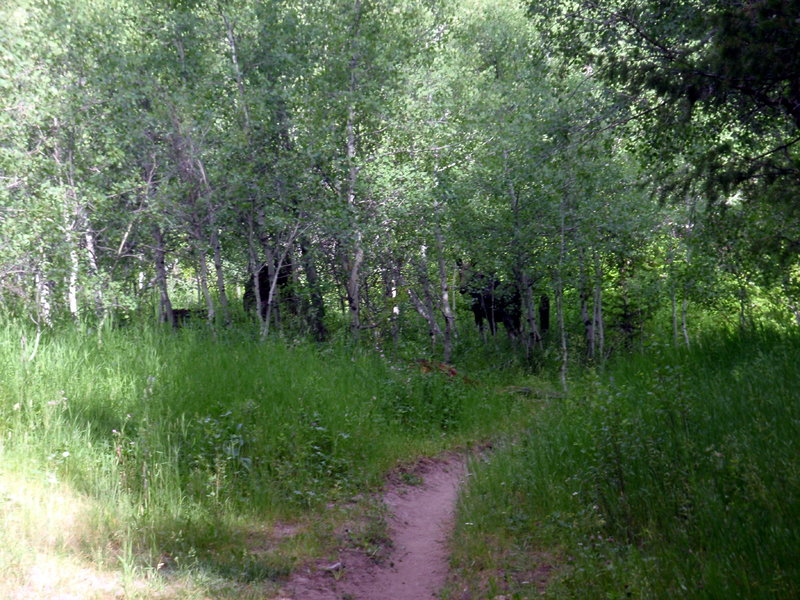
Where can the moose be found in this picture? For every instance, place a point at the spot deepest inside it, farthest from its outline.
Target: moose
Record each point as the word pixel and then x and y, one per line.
pixel 492 301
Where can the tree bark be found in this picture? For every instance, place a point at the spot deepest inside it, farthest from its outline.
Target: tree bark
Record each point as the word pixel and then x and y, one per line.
pixel 599 322
pixel 44 305
pixel 74 270
pixel 534 336
pixel 165 305
pixel 684 327
pixel 220 275
pixel 317 316
pixel 562 253
pixel 390 285
pixel 237 71
pixel 353 271
pixel 255 268
pixel 202 275
pixel 423 309
pixel 587 320
pixel 674 317
pixel 449 319
pixel 353 265
pixel 93 270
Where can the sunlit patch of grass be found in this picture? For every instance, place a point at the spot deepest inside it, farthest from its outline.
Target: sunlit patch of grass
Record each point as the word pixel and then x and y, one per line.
pixel 44 526
pixel 49 576
pixel 158 454
pixel 55 543
pixel 44 513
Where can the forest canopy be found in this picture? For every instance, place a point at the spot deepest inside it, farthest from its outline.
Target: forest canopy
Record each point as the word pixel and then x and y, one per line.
pixel 355 164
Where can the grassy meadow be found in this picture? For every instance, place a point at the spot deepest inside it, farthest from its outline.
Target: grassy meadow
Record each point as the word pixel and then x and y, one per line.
pixel 147 452
pixel 668 474
pixel 142 462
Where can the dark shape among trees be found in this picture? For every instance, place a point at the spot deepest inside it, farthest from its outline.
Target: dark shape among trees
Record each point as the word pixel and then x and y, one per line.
pixel 184 316
pixel 544 313
pixel 281 294
pixel 493 301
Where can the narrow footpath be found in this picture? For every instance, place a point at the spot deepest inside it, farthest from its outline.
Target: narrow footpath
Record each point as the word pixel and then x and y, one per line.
pixel 421 520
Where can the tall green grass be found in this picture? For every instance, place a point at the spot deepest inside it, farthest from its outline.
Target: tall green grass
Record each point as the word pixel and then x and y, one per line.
pixel 670 475
pixel 171 442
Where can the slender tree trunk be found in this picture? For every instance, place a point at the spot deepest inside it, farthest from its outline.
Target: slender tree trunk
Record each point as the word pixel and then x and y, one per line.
pixel 271 304
pixel 255 269
pixel 353 286
pixel 273 284
pixel 44 304
pixel 353 265
pixel 599 322
pixel 424 309
pixel 237 71
pixel 559 294
pixel 317 300
pixel 534 336
pixel 202 280
pixel 684 307
pixel 742 303
pixel 674 317
pixel 390 283
pixel 69 225
pixel 90 241
pixel 74 271
pixel 453 297
pixel 449 319
pixel 672 292
pixel 588 322
pixel 429 311
pixel 562 254
pixel 218 266
pixel 165 305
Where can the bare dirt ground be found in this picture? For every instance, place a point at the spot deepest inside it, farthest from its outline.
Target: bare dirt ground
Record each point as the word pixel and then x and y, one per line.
pixel 420 521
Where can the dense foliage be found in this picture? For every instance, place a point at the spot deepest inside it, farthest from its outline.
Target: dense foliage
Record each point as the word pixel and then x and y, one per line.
pixel 355 152
pixel 238 236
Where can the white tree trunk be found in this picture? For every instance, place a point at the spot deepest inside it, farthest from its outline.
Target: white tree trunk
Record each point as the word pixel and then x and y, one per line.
pixel 43 296
pixel 684 326
pixel 449 319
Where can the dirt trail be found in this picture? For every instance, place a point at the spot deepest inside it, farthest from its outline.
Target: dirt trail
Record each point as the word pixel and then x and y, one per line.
pixel 420 524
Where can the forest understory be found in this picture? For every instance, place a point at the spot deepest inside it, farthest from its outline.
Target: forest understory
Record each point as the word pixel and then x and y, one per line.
pixel 198 466
pixel 258 259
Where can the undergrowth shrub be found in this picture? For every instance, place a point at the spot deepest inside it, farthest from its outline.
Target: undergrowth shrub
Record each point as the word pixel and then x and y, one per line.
pixel 422 402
